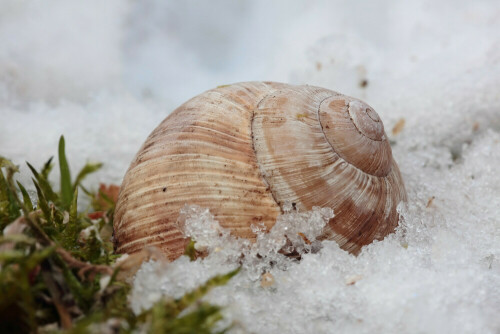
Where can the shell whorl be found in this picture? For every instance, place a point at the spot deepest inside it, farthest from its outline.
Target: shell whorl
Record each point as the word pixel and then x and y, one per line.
pixel 245 150
pixel 356 134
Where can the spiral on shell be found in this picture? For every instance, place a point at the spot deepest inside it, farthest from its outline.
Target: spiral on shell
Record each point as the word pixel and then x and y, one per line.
pixel 245 150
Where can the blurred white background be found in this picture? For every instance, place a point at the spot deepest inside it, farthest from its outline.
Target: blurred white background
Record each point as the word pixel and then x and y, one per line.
pixel 105 73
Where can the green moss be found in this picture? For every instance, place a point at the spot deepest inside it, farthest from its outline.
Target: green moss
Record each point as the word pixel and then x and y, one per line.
pixel 53 258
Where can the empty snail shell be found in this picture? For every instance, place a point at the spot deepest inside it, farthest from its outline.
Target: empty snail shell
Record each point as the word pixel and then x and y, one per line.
pixel 244 150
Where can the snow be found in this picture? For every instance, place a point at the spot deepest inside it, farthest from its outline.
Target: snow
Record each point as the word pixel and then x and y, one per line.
pixel 104 74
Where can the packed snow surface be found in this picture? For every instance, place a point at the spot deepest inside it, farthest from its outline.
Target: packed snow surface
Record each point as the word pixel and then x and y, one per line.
pixel 104 74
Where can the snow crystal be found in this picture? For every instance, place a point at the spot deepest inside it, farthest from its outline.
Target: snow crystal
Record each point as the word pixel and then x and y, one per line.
pixel 104 74
pixel 293 232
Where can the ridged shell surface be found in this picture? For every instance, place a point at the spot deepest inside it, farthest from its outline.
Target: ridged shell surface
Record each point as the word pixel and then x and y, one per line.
pixel 244 150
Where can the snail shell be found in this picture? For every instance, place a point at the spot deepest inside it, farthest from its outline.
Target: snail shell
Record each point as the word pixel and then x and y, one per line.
pixel 244 150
